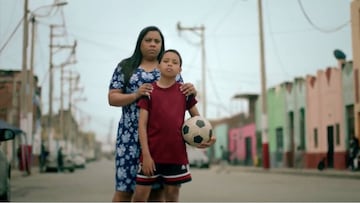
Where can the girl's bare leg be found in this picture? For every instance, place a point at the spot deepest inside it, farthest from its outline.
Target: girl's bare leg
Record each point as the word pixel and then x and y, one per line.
pixel 120 196
pixel 142 193
pixel 172 193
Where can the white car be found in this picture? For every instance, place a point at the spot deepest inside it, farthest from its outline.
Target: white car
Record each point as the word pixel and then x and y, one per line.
pixel 79 160
pixel 7 132
pixel 197 157
pixel 5 169
pixel 51 164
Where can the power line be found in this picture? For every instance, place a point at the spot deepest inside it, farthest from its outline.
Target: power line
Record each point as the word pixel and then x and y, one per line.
pixel 214 83
pixel 276 50
pixel 223 19
pixel 318 27
pixel 200 32
pixel 12 34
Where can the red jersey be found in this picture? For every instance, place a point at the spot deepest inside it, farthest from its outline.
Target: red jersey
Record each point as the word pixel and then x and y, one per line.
pixel 167 108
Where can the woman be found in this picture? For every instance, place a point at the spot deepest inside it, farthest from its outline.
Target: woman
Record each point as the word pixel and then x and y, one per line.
pixel 131 80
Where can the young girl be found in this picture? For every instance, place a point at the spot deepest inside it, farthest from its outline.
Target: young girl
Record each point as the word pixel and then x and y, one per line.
pixel 163 152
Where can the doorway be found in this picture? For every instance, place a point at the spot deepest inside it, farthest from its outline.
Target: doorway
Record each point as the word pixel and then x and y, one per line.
pixel 330 153
pixel 248 152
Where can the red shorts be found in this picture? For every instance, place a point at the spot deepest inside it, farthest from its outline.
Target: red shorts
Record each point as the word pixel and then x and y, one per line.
pixel 170 174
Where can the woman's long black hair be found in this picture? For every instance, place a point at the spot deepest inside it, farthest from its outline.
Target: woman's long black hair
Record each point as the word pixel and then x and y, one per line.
pixel 129 65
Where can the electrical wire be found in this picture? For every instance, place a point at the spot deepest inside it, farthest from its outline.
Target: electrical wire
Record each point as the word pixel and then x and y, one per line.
pixel 276 50
pixel 318 27
pixel 12 34
pixel 213 83
pixel 220 22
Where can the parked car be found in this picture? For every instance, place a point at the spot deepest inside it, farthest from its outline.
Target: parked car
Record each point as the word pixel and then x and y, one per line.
pixel 79 160
pixel 51 164
pixel 197 157
pixel 7 132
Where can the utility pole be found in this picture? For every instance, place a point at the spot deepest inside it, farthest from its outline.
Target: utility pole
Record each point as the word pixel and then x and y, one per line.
pixel 51 74
pixel 51 87
pixel 62 126
pixel 24 75
pixel 24 117
pixel 27 77
pixel 264 119
pixel 202 38
pixel 31 78
pixel 69 61
pixel 71 89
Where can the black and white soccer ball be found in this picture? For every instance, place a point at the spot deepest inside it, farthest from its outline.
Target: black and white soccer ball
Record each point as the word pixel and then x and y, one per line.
pixel 196 130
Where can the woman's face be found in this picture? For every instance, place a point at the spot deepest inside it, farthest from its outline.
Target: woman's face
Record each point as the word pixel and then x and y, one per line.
pixel 151 45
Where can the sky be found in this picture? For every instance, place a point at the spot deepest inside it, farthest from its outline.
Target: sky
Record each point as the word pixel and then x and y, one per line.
pixel 299 38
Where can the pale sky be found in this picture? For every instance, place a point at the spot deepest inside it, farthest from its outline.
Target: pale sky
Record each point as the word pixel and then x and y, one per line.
pixel 106 32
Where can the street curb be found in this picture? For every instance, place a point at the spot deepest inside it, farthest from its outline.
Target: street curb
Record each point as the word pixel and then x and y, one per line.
pixel 16 173
pixel 303 172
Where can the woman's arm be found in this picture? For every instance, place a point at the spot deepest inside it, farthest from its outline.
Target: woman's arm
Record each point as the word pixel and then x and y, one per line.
pixel 117 98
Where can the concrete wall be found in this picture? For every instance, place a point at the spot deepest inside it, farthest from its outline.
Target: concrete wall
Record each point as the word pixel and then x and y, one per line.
pixel 355 28
pixel 325 119
pixel 222 137
pixel 295 99
pixel 238 146
pixel 278 130
pixel 348 98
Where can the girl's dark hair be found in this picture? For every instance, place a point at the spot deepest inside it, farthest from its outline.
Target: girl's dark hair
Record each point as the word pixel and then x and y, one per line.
pixel 174 51
pixel 128 65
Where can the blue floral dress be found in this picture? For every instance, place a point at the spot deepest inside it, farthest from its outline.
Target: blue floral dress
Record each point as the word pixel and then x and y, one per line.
pixel 127 151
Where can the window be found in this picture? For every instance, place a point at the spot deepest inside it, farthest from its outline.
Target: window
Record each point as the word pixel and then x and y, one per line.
pixel 337 135
pixel 302 129
pixel 315 138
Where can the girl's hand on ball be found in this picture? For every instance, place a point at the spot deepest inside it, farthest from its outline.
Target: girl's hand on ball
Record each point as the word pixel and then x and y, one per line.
pixel 208 143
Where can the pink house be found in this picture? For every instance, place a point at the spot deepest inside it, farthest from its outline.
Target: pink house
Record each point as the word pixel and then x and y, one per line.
pixel 325 119
pixel 242 144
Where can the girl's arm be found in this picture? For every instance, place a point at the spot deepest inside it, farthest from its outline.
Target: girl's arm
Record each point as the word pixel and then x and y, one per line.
pixel 194 112
pixel 148 165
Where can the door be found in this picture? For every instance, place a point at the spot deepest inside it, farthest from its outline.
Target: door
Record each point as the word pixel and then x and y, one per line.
pixel 248 150
pixel 279 147
pixel 330 153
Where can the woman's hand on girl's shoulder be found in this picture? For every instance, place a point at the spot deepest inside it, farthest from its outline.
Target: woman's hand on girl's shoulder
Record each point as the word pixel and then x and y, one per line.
pixel 188 89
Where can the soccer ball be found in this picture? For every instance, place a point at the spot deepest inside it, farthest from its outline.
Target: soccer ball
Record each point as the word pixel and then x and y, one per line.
pixel 196 130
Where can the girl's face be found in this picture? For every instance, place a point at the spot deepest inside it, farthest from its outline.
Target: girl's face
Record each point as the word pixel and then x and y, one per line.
pixel 151 45
pixel 170 65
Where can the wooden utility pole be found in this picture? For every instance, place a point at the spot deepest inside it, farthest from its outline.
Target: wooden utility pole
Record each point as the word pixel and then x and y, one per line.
pixel 54 48
pixel 31 78
pixel 24 74
pixel 264 117
pixel 202 38
pixel 51 87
